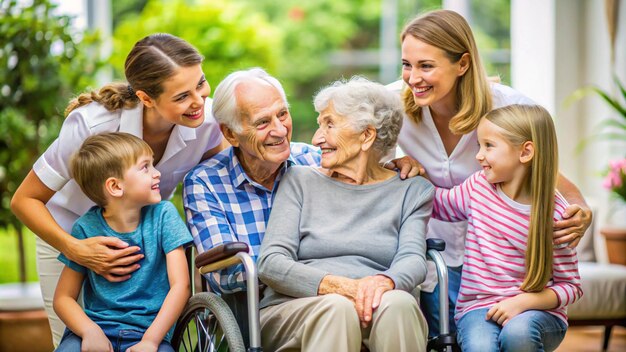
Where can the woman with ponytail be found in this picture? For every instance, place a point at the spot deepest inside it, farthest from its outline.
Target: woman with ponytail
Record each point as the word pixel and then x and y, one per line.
pixel 515 283
pixel 162 102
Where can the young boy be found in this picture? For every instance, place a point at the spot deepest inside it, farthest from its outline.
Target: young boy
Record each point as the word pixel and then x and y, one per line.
pixel 116 171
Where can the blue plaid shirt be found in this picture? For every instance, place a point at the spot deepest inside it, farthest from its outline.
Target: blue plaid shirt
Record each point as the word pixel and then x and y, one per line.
pixel 222 204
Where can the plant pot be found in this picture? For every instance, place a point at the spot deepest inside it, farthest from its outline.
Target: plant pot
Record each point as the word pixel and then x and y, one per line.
pixel 615 244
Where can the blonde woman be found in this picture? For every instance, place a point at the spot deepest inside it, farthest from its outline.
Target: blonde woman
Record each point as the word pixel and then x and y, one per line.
pixel 446 92
pixel 516 283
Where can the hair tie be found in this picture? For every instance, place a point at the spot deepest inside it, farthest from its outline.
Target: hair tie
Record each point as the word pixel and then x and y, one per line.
pixel 131 91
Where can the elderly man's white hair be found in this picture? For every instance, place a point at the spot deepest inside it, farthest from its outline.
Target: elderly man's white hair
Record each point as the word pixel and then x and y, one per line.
pixel 364 103
pixel 225 108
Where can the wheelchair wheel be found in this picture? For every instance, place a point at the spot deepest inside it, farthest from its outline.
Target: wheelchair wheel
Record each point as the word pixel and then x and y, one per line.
pixel 207 325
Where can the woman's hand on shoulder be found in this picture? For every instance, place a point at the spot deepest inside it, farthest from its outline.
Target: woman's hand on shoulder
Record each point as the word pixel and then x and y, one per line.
pixel 370 291
pixel 576 220
pixel 408 167
pixel 108 257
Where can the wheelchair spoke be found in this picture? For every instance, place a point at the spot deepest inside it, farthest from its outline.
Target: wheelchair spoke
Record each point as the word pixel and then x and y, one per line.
pixel 200 330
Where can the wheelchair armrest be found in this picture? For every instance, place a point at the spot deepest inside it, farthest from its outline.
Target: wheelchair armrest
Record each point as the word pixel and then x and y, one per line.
pixel 435 243
pixel 220 252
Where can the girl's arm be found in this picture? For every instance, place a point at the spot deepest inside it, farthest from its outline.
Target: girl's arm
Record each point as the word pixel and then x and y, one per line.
pixel 452 204
pixel 71 313
pixel 173 305
pixel 98 253
pixel 565 289
pixel 577 217
pixel 505 310
pixel 565 277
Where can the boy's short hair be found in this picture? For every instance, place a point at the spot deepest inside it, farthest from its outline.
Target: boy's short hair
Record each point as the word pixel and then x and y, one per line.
pixel 102 156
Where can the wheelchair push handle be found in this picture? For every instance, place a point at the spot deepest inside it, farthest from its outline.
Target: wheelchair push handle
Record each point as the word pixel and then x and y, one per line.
pixel 436 244
pixel 220 252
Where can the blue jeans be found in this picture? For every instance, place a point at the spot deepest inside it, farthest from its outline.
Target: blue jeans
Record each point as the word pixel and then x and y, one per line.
pixel 120 339
pixel 533 330
pixel 429 302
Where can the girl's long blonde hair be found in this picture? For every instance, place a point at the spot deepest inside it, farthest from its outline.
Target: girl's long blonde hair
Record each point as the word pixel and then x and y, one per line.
pixel 450 32
pixel 533 123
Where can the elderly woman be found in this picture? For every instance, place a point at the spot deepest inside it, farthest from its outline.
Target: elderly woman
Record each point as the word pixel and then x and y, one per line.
pixel 345 243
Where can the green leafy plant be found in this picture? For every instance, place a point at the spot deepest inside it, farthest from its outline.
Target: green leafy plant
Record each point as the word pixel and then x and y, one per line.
pixel 42 64
pixel 229 36
pixel 609 128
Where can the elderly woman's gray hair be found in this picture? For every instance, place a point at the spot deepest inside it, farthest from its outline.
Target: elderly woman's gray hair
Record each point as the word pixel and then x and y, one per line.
pixel 365 103
pixel 225 108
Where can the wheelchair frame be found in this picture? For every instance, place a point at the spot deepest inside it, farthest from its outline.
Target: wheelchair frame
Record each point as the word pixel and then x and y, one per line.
pixel 235 253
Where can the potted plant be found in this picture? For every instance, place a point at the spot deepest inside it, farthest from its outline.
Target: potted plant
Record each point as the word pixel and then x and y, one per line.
pixel 615 179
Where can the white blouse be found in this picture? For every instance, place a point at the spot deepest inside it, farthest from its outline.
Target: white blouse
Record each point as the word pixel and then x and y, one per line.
pixel 184 150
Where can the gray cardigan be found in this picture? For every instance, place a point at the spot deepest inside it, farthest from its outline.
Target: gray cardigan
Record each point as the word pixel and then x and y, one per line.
pixel 320 226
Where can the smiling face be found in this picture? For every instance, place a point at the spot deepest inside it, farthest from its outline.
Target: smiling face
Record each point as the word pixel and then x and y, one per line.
pixel 430 74
pixel 500 160
pixel 335 136
pixel 141 182
pixel 183 97
pixel 264 141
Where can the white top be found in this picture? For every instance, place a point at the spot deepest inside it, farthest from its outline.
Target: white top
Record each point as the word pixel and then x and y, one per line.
pixel 422 142
pixel 184 150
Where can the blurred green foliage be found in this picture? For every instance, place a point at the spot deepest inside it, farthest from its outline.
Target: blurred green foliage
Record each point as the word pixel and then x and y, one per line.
pixel 228 35
pixel 42 63
pixel 491 24
pixel 291 39
pixel 312 31
pixel 9 257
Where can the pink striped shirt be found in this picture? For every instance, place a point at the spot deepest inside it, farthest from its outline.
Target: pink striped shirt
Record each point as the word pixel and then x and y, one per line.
pixel 495 246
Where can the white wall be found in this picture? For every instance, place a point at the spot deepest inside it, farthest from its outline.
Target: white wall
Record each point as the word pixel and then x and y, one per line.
pixel 557 47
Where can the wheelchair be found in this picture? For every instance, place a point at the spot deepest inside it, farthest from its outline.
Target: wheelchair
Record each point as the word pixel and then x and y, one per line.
pixel 208 324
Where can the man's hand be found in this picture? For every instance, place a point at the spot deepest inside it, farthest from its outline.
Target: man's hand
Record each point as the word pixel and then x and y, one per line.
pixel 571 229
pixel 408 166
pixel 108 257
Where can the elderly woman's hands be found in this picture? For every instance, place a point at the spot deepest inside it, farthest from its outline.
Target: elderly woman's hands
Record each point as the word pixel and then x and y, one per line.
pixel 571 229
pixel 366 293
pixel 370 291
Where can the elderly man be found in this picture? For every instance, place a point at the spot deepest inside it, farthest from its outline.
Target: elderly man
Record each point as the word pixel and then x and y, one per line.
pixel 228 198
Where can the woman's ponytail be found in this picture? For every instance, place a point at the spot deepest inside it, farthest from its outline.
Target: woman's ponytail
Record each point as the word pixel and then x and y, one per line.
pixel 113 96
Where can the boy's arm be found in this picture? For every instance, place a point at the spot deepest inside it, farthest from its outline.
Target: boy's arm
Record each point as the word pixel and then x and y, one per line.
pixel 173 305
pixel 71 313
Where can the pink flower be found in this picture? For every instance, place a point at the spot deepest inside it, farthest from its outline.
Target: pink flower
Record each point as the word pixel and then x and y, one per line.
pixel 615 179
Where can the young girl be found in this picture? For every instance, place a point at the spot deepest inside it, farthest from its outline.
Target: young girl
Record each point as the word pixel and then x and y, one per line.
pixel 515 283
pixel 164 104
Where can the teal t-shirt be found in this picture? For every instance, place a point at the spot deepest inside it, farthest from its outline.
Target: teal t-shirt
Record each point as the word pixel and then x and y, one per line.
pixel 134 303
